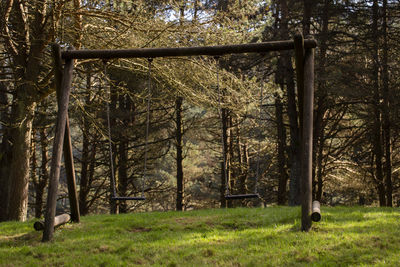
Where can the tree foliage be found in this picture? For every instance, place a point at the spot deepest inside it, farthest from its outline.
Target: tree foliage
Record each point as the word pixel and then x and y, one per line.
pixel 355 151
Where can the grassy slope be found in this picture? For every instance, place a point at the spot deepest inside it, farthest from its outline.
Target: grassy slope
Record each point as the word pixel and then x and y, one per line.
pixel 230 237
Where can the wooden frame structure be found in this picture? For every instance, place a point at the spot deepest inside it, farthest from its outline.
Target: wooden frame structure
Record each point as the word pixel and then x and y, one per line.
pixel 304 58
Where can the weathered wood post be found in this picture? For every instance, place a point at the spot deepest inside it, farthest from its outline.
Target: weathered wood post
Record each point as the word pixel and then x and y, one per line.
pixel 307 139
pixel 68 154
pixel 304 59
pixel 55 166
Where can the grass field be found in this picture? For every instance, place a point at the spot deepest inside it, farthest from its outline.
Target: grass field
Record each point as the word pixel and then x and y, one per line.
pixel 221 237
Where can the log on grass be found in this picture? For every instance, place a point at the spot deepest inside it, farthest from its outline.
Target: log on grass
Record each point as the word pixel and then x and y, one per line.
pixel 58 220
pixel 316 211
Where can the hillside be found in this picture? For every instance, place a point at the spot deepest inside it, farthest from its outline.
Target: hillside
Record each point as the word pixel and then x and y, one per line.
pixel 221 237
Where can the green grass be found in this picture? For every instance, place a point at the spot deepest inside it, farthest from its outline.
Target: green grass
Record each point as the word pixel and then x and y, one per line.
pixel 222 237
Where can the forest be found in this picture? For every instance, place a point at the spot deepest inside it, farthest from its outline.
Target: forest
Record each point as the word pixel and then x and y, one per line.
pixel 183 131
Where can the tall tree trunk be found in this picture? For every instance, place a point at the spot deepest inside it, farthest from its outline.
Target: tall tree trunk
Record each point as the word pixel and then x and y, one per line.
pixel 77 25
pixel 377 125
pixel 321 108
pixel 242 170
pixel 179 132
pixel 246 163
pixel 224 165
pixel 231 157
pixel 319 167
pixel 122 172
pixel 281 129
pixel 179 154
pixel 294 149
pixel 84 181
pixel 114 208
pixel 294 155
pixel 386 110
pixel 125 105
pixel 281 136
pixel 19 173
pixel 5 156
pixel 44 173
pixel 34 166
pixel 307 12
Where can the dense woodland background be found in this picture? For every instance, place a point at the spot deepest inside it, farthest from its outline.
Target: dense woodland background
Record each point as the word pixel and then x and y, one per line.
pixel 356 121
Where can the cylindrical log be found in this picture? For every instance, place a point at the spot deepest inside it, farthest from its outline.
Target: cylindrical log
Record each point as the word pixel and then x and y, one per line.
pixel 58 220
pixel 186 51
pixel 316 211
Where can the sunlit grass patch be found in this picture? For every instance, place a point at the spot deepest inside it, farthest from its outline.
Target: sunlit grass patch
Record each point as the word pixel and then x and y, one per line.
pixel 220 237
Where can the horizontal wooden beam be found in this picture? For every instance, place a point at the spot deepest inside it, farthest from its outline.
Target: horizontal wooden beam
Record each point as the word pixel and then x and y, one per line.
pixel 186 51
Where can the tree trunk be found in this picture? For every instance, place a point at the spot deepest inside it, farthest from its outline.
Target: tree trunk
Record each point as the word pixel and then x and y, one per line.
pixel 281 136
pixel 122 173
pixel 308 4
pixel 84 181
pixel 320 156
pixel 294 149
pixel 321 108
pixel 377 124
pixel 179 154
pixel 242 168
pixel 386 111
pixel 125 105
pixel 44 174
pixel 224 169
pixel 5 157
pixel 231 158
pixel 178 132
pixel 19 173
pixel 83 188
pixel 114 208
pixel 246 163
pixel 39 181
pixel 34 167
pixel 77 25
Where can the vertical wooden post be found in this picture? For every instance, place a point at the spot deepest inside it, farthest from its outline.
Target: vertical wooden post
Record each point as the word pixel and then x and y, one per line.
pixel 307 140
pixel 68 154
pixel 62 115
pixel 70 172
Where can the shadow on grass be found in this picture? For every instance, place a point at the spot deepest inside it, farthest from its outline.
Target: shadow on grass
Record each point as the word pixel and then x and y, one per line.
pixel 31 239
